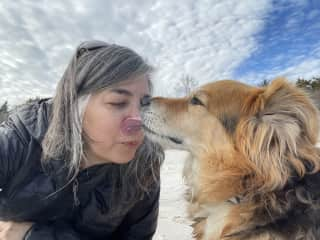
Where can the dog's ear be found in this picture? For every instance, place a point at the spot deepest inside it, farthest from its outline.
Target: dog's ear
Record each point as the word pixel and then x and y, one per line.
pixel 278 133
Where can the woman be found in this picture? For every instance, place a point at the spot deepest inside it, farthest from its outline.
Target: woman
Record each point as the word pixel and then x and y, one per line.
pixel 78 166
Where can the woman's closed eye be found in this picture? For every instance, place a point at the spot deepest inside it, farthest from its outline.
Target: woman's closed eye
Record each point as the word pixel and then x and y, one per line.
pixel 119 104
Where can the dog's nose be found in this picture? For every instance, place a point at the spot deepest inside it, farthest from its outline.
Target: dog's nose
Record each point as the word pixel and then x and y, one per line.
pixel 131 126
pixel 145 101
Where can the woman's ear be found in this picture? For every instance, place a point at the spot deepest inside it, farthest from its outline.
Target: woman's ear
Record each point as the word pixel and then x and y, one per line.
pixel 278 119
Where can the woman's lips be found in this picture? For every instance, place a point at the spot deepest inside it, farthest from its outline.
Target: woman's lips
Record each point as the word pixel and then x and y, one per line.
pixel 132 143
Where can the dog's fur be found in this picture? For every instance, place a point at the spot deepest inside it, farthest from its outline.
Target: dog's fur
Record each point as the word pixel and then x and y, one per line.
pixel 254 167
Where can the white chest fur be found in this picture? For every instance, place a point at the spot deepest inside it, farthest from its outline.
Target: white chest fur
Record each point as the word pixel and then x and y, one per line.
pixel 190 173
pixel 216 220
pixel 215 214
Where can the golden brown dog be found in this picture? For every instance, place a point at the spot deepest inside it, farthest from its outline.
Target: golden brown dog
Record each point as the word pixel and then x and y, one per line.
pixel 254 167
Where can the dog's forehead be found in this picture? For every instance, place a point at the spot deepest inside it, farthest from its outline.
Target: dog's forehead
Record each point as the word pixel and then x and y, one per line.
pixel 226 98
pixel 225 86
pixel 225 90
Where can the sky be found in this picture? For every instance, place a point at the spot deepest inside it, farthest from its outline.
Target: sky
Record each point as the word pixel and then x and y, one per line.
pixel 209 40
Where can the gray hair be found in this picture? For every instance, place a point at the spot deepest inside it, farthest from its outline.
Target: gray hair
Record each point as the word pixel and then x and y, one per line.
pixel 94 66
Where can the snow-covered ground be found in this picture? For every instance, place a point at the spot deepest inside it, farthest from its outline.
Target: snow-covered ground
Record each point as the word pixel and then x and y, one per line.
pixel 173 223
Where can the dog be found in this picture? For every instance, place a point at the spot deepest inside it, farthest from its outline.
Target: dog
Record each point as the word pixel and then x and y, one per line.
pixel 254 166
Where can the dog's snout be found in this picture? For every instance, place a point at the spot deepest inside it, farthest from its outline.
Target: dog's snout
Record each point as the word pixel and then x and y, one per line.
pixel 145 101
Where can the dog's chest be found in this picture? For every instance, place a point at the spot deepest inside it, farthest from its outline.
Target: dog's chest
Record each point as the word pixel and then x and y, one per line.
pixel 215 215
pixel 213 218
pixel 190 173
pixel 216 220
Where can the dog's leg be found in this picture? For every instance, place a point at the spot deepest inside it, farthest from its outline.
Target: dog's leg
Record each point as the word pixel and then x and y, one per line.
pixel 198 228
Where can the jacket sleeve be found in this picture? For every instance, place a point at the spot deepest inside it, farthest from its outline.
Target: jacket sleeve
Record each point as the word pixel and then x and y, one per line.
pixel 12 151
pixel 141 222
pixel 54 231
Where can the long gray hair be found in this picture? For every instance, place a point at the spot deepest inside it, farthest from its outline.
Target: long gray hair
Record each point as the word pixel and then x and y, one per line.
pixel 94 66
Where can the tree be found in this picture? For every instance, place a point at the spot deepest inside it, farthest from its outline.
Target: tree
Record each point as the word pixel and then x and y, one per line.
pixel 185 85
pixel 264 83
pixel 312 86
pixel 315 83
pixel 303 83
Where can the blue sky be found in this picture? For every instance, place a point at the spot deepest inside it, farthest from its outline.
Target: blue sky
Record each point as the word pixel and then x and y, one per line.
pixel 290 36
pixel 247 40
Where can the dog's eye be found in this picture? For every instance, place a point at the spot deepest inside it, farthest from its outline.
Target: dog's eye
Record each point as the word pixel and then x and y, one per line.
pixel 196 101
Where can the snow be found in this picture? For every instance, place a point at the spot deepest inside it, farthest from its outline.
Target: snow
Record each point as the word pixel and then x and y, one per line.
pixel 173 222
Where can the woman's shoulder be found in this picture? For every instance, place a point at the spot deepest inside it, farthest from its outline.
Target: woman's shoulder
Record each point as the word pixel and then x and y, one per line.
pixel 28 121
pixel 20 137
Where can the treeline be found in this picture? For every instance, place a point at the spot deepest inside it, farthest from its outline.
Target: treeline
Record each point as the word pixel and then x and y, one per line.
pixel 312 84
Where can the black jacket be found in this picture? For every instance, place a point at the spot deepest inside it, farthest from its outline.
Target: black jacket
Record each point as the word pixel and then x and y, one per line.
pixel 79 210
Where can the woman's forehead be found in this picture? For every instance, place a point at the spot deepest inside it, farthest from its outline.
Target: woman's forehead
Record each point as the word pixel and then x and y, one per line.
pixel 132 81
pixel 138 85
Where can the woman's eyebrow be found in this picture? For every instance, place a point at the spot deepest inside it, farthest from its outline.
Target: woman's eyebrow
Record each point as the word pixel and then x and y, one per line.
pixel 122 91
pixel 125 92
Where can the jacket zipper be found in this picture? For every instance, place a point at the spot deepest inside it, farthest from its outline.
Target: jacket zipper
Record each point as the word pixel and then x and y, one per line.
pixel 75 188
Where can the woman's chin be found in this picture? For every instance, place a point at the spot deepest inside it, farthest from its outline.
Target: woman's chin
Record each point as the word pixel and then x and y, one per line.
pixel 124 158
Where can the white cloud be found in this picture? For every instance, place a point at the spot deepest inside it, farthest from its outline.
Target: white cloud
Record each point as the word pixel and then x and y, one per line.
pixel 206 39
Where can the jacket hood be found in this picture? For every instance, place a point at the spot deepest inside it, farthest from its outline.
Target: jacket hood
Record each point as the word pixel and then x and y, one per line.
pixel 32 119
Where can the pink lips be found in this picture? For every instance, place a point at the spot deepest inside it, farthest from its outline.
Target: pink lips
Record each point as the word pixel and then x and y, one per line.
pixel 131 126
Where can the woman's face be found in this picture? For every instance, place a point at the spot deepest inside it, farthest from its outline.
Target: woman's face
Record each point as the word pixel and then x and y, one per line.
pixel 104 116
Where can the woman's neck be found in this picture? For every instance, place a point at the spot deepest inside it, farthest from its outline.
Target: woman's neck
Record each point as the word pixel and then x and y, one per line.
pixel 90 159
